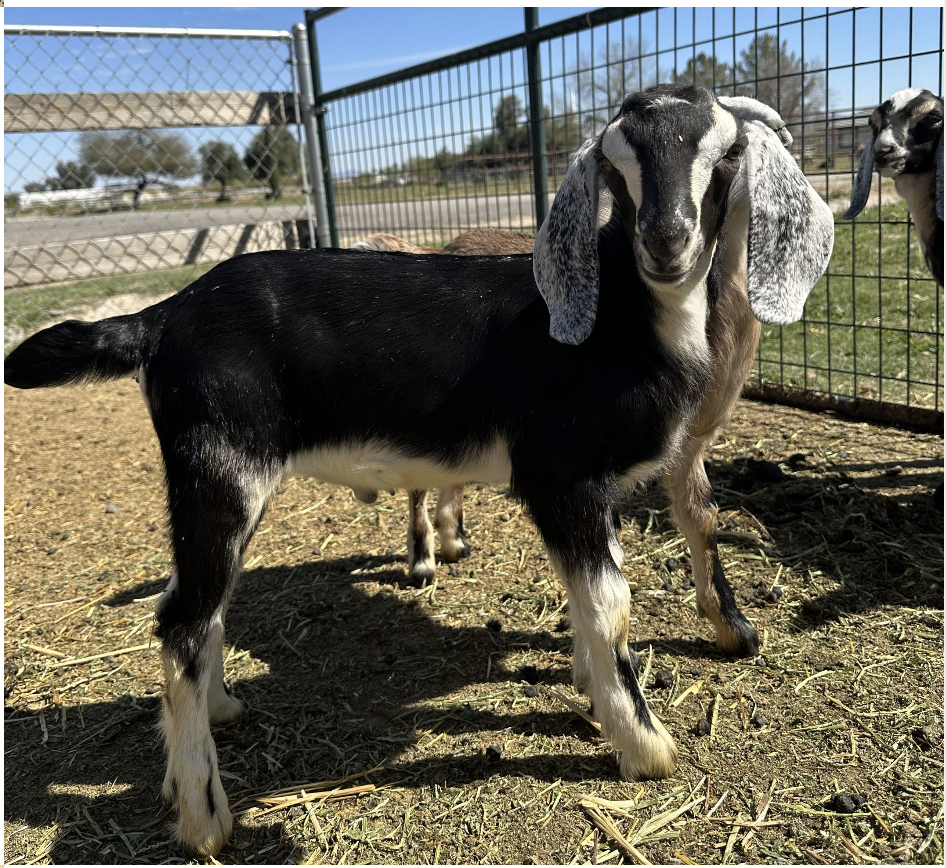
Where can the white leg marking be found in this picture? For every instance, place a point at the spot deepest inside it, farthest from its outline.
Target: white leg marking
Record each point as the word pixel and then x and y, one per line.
pixel 599 607
pixel 222 706
pixel 192 782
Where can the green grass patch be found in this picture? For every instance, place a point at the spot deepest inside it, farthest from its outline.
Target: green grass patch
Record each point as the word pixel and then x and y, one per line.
pixel 25 311
pixel 873 323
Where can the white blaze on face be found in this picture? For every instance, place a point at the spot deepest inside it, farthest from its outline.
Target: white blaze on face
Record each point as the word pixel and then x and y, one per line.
pixel 624 158
pixel 714 144
pixel 902 98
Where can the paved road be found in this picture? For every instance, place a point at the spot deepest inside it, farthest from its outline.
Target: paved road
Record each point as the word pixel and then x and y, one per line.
pixel 354 220
pixel 435 218
pixel 30 231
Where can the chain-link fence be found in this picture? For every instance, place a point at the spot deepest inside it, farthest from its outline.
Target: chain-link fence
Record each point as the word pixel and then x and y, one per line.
pixel 448 145
pixel 136 159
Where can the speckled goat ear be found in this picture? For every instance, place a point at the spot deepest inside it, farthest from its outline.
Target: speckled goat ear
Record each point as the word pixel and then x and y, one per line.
pixel 790 233
pixel 565 261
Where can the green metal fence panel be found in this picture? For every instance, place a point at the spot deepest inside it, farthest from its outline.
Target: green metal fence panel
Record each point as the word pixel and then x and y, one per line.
pixel 441 147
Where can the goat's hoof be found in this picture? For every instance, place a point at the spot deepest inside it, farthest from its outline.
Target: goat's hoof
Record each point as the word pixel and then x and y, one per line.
pixel 738 637
pixel 454 550
pixel 653 756
pixel 204 822
pixel 226 709
pixel 420 575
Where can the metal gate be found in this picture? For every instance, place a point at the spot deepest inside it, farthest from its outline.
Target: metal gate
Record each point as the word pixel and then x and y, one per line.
pixel 451 144
pixel 135 159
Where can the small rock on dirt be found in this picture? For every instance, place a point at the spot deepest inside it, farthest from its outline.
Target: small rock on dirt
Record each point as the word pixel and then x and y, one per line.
pixel 563 626
pixel 494 624
pixel 702 727
pixel 493 754
pixel 663 679
pixel 842 803
pixel 671 564
pixel 758 721
pixel 775 594
pixel 112 507
pixel 531 691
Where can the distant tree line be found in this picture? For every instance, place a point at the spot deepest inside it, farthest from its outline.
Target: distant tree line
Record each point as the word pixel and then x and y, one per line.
pixel 765 69
pixel 150 157
pixel 594 89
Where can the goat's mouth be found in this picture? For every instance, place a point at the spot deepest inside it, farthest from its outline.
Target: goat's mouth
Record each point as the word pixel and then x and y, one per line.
pixel 673 277
pixel 891 166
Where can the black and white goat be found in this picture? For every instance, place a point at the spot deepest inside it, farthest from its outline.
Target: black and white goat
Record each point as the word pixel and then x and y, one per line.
pixel 907 145
pixel 570 375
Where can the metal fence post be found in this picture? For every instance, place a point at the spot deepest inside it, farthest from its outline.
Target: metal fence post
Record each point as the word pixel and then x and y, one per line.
pixel 310 18
pixel 311 134
pixel 540 175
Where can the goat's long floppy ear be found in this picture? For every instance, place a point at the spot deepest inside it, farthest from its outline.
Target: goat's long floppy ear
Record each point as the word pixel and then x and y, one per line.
pixel 865 174
pixel 752 110
pixel 565 261
pixel 791 229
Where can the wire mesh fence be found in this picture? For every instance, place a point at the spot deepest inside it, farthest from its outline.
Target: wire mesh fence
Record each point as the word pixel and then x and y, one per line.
pixel 136 159
pixel 445 146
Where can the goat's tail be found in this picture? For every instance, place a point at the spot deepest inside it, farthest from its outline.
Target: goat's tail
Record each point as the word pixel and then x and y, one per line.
pixel 75 351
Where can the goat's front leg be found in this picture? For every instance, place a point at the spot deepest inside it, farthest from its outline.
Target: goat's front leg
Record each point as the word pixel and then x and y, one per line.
pixel 420 539
pixel 694 507
pixel 581 549
pixel 449 523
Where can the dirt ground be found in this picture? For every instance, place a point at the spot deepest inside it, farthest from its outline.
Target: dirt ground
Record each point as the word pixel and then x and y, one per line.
pixel 826 749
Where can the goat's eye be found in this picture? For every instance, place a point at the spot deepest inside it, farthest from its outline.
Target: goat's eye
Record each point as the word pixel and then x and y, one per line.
pixel 605 164
pixel 735 152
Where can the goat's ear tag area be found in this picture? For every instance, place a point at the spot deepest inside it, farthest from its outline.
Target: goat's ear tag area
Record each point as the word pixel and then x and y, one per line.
pixel 791 230
pixel 565 260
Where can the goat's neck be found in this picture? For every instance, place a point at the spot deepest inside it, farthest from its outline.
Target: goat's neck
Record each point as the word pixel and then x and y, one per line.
pixel 919 192
pixel 681 313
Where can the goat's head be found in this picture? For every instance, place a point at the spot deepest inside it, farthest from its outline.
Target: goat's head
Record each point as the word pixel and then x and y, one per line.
pixel 676 163
pixel 906 138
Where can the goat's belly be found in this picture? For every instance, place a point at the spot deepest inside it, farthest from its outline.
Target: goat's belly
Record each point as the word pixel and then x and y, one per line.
pixel 372 467
pixel 640 474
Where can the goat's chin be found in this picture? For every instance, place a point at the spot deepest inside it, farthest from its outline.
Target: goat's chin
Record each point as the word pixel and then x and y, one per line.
pixel 891 170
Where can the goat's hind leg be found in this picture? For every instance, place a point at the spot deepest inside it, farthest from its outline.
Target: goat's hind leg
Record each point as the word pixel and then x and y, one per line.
pixel 420 539
pixel 222 706
pixel 449 523
pixel 695 509
pixel 213 515
pixel 599 603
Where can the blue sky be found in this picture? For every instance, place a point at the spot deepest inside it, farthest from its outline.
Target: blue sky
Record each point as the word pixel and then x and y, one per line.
pixel 363 42
pixel 355 44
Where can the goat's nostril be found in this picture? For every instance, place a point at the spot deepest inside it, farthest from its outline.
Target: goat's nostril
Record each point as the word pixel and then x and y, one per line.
pixel 663 247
